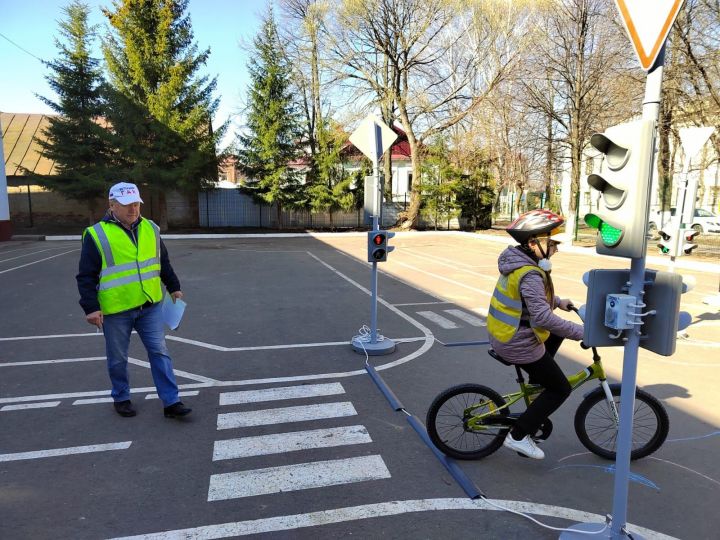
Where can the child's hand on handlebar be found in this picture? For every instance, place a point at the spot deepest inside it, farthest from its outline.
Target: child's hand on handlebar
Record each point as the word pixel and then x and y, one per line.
pixel 566 304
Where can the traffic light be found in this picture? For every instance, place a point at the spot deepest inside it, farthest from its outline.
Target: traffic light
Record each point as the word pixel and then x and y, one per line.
pixel 667 243
pixel 607 307
pixel 659 331
pixel 600 284
pixel 378 247
pixel 621 217
pixel 688 237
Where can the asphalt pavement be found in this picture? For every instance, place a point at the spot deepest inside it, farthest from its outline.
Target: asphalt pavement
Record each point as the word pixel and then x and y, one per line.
pixel 290 437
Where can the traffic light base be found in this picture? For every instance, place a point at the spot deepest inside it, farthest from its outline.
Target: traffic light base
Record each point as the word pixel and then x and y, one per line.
pixel 586 529
pixel 384 346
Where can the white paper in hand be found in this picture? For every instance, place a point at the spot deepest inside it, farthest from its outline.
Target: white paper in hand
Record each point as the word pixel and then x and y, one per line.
pixel 172 312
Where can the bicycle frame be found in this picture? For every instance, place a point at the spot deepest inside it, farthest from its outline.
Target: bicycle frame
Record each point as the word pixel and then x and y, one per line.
pixel 528 392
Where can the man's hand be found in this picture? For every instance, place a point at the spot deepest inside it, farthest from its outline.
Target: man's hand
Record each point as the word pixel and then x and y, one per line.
pixel 95 318
pixel 176 296
pixel 565 304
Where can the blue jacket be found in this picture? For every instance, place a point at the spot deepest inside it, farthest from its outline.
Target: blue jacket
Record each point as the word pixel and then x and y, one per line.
pixel 88 276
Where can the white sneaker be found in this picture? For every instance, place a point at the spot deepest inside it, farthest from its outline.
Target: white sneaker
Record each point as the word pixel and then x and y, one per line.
pixel 526 446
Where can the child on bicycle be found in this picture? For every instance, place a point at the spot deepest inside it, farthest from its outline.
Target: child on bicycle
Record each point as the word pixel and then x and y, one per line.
pixel 522 326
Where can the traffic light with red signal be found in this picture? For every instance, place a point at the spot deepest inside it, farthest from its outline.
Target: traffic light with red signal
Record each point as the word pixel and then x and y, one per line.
pixel 378 247
pixel 688 240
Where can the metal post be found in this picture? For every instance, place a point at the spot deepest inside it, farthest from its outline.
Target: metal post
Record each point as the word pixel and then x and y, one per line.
pixel 618 523
pixel 386 346
pixel 651 111
pixel 373 291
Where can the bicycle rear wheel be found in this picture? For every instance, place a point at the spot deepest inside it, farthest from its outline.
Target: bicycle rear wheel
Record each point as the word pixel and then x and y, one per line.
pixel 595 424
pixel 447 421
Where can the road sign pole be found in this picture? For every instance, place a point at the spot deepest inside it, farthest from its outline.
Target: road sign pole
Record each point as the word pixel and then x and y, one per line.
pixel 651 111
pixel 373 149
pixel 618 524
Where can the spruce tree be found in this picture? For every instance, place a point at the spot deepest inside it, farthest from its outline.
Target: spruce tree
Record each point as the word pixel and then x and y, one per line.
pixel 160 108
pixel 75 139
pixel 270 142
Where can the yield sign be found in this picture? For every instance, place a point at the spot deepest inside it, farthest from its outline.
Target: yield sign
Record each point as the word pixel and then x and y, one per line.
pixel 648 24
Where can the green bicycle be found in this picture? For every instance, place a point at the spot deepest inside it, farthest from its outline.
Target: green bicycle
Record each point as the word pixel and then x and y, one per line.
pixel 470 421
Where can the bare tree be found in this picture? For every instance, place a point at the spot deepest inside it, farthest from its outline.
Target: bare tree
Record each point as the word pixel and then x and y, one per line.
pixel 443 59
pixel 581 76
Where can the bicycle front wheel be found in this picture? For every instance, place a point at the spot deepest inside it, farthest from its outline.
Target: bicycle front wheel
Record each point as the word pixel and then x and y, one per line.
pixel 453 425
pixel 596 428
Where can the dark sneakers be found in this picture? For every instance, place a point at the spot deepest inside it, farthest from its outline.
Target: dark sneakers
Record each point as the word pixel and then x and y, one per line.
pixel 176 410
pixel 124 408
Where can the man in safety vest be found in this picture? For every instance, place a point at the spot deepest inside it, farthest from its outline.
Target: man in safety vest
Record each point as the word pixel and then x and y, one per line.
pixel 522 326
pixel 123 265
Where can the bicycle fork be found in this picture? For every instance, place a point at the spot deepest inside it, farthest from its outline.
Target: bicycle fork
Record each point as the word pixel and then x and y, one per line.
pixel 611 401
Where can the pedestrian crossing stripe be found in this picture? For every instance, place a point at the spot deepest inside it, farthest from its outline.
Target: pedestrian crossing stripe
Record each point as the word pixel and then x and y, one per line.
pixel 284 415
pixel 296 477
pixel 464 316
pixel 447 324
pixel 279 443
pixel 438 319
pixel 280 393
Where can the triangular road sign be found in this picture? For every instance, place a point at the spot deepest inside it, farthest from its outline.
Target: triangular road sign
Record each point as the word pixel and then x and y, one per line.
pixel 648 24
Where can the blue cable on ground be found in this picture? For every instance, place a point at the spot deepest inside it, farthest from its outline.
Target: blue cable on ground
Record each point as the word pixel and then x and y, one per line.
pixel 453 468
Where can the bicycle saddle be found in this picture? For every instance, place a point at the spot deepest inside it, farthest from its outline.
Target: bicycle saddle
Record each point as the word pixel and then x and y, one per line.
pixel 499 358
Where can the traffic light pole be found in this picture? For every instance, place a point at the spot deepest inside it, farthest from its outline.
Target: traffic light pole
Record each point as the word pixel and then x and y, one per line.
pixel 651 111
pixel 360 343
pixel 618 524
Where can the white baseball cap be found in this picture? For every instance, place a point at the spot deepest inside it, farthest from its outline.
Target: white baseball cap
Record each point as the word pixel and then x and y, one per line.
pixel 125 193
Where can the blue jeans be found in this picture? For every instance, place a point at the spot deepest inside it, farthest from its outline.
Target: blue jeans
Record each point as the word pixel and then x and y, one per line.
pixel 148 323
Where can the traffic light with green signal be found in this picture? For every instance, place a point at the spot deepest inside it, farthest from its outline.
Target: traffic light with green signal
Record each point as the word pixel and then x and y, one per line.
pixel 668 242
pixel 621 217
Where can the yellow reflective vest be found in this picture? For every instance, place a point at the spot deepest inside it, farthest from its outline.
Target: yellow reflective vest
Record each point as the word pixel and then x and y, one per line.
pixel 130 274
pixel 505 310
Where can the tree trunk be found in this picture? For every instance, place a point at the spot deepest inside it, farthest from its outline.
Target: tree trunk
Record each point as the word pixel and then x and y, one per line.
pixel 412 213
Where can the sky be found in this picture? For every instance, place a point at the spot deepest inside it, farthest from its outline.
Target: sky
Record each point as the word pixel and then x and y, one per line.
pixel 32 25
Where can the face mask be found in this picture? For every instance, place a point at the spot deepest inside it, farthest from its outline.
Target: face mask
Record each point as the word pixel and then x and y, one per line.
pixel 545 264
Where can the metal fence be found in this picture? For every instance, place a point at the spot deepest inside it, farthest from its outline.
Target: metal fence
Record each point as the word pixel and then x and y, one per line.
pixel 232 208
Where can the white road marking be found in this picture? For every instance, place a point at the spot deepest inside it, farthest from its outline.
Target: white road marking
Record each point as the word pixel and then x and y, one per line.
pixel 41 260
pixel 465 316
pixel 283 415
pixel 441 321
pixel 26 255
pixel 685 468
pixel 423 303
pixel 371 511
pixel 443 278
pixel 65 451
pixel 296 477
pixel 454 265
pixel 180 394
pixel 54 336
pixel 178 372
pixel 279 443
pixel 43 405
pixel 92 401
pixel 256 348
pixel 57 361
pixel 279 393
